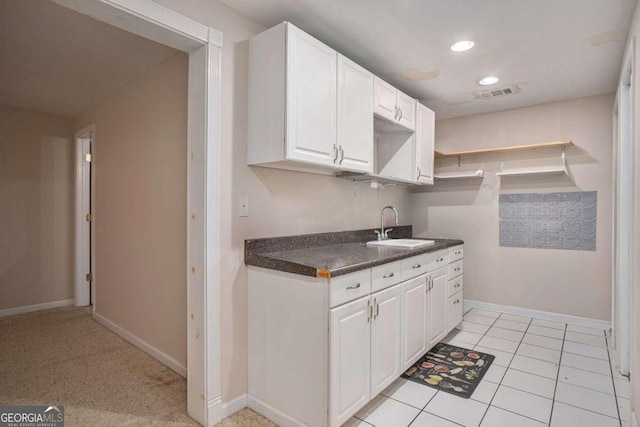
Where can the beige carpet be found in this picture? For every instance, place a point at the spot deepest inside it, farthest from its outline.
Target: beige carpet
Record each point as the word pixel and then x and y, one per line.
pixel 63 357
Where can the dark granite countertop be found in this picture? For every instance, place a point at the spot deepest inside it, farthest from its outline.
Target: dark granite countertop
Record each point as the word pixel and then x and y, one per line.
pixel 331 254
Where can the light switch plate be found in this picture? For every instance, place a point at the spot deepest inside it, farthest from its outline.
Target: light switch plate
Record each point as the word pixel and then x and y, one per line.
pixel 244 206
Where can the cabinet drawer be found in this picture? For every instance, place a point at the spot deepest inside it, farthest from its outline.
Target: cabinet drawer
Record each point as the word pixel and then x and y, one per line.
pixel 454 310
pixel 455 285
pixel 415 266
pixel 456 253
pixel 349 287
pixel 438 259
pixel 386 275
pixel 456 269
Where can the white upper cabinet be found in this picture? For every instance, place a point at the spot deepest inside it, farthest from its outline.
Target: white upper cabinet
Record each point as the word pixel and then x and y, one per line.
pixel 385 100
pixel 406 111
pixel 310 108
pixel 311 87
pixel 355 116
pixel 394 105
pixel 425 145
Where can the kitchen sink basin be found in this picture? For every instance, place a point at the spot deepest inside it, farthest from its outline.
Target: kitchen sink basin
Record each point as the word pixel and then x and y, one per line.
pixel 401 243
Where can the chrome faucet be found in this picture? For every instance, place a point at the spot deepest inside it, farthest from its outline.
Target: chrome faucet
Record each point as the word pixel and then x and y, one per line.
pixel 384 234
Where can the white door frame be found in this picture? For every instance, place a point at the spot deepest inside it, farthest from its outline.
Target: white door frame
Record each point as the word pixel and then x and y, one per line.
pixel 203 44
pixel 623 114
pixel 83 259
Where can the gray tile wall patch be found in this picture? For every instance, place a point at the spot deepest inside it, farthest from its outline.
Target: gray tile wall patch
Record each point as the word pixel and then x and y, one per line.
pixel 549 220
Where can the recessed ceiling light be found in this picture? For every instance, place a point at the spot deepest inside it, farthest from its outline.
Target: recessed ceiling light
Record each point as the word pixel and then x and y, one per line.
pixel 489 81
pixel 461 46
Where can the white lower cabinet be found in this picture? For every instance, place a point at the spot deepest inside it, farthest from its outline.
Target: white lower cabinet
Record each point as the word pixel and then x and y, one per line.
pixel 454 311
pixel 321 349
pixel 414 320
pixel 364 350
pixel 350 347
pixel 386 337
pixel 455 301
pixel 437 306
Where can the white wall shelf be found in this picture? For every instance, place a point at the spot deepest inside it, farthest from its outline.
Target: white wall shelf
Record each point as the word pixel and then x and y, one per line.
pixel 460 175
pixel 440 154
pixel 541 170
pixel 534 171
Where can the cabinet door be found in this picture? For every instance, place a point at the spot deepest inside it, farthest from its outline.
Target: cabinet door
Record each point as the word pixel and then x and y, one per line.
pixel 414 320
pixel 425 144
pixel 384 99
pixel 311 99
pixel 437 306
pixel 454 311
pixel 386 338
pixel 406 111
pixel 355 116
pixel 349 359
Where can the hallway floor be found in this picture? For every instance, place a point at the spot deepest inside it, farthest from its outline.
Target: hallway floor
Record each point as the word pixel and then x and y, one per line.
pixel 64 357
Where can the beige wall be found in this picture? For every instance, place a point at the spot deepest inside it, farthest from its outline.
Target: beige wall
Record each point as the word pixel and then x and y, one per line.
pixel 140 149
pixel 36 208
pixel 280 202
pixel 561 281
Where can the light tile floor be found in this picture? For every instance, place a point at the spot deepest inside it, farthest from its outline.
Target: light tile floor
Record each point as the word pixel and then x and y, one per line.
pixel 544 374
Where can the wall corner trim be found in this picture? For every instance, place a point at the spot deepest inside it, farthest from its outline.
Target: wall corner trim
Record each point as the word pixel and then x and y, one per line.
pixel 226 409
pixel 35 307
pixel 163 358
pixel 538 314
pixel 272 413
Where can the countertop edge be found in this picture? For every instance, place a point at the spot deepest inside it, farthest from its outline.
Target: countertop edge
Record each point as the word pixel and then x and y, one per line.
pixel 265 261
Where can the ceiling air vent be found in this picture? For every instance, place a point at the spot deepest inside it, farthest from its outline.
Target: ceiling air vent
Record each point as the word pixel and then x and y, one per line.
pixel 497 93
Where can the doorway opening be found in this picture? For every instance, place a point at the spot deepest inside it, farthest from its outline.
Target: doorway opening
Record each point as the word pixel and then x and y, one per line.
pixel 84 289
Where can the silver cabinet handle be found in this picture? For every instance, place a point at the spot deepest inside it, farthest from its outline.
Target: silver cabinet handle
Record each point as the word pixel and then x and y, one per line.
pixel 456 269
pixel 377 308
pixel 369 311
pixel 440 260
pixel 386 276
pixel 417 266
pixel 457 252
pixel 457 285
pixel 456 301
pixel 356 286
pixel 419 174
pixel 341 155
pixel 400 118
pixel 395 109
pixel 335 153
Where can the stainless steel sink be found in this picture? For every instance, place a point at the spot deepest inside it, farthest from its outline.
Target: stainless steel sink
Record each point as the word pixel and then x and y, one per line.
pixel 401 243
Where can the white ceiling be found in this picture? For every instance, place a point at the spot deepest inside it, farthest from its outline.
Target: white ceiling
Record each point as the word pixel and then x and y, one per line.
pixel 551 49
pixel 57 61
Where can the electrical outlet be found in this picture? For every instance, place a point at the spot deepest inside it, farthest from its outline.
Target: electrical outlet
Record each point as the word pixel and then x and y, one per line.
pixel 244 206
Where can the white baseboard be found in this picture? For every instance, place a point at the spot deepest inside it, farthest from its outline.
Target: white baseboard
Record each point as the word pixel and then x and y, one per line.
pixel 231 407
pixel 142 345
pixel 271 413
pixel 36 307
pixel 545 315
